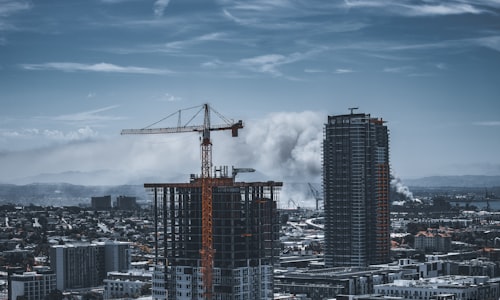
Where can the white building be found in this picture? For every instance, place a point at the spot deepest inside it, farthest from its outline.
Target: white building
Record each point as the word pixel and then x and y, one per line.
pixel 159 289
pixel 126 284
pixel 32 285
pixel 462 287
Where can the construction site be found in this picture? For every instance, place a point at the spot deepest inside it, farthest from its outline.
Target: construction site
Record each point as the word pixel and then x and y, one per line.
pixel 215 237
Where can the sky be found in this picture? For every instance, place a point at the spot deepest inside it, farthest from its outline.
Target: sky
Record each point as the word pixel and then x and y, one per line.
pixel 74 73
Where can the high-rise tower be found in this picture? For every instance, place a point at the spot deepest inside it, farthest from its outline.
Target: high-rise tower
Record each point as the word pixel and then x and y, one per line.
pixel 356 178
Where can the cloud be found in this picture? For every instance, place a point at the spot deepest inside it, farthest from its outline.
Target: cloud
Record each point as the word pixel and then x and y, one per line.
pixel 314 71
pixel 283 146
pixel 57 135
pixel 87 116
pixel 79 134
pixel 411 9
pixel 492 42
pixel 343 71
pixel 115 1
pixel 160 6
pixel 100 67
pixel 280 146
pixel 170 98
pixel 402 69
pixel 9 7
pixel 265 63
pixel 287 16
pixel 269 63
pixel 442 66
pixel 441 9
pixel 487 123
pixel 177 45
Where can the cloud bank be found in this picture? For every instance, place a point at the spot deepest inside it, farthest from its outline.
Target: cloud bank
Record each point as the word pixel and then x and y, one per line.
pixel 99 67
pixel 281 147
pixel 160 6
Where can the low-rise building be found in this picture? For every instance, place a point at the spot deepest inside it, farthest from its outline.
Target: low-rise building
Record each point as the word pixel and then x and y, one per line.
pixel 433 240
pixel 461 287
pixel 85 265
pixel 32 285
pixel 133 283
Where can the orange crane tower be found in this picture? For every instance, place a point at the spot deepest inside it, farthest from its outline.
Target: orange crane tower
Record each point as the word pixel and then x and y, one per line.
pixel 206 251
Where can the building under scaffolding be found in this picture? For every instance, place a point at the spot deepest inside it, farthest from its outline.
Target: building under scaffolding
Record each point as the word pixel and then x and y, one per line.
pixel 245 237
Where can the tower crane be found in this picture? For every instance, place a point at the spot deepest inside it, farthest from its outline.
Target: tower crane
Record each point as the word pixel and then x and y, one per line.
pixel 206 251
pixel 315 193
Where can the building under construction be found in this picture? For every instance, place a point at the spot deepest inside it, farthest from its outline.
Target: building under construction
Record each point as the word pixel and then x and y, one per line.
pixel 219 237
pixel 244 230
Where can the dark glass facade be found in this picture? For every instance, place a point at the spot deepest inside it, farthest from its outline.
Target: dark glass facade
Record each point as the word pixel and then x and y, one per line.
pixel 356 178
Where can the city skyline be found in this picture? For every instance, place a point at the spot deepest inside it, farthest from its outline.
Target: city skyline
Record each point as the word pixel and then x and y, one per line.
pixel 74 75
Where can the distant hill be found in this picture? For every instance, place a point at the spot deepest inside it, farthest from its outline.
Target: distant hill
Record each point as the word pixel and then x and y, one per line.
pixel 63 194
pixel 455 181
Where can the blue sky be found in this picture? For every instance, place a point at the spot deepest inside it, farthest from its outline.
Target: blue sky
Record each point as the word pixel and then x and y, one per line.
pixel 74 73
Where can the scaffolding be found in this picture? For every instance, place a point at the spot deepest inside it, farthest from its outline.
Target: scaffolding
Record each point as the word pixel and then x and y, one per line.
pixel 244 232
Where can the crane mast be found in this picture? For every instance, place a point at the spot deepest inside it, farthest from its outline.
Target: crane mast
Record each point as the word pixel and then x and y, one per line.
pixel 207 251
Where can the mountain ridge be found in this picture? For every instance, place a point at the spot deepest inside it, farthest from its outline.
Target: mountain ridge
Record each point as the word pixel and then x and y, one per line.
pixel 455 181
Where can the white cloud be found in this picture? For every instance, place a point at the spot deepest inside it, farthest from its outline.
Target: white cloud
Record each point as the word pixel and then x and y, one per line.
pixel 269 63
pixel 492 42
pixel 170 98
pixel 160 6
pixel 53 134
pixel 276 17
pixel 265 63
pixel 9 7
pixel 343 71
pixel 79 134
pixel 314 71
pixel 441 9
pixel 442 66
pixel 281 146
pixel 426 8
pixel 398 69
pixel 100 67
pixel 116 1
pixel 487 123
pixel 87 116
pixel 214 36
pixel 212 64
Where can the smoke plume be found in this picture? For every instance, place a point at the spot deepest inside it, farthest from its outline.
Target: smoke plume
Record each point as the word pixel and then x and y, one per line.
pixel 281 147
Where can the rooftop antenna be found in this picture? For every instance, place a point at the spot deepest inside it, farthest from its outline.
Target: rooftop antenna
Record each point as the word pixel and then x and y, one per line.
pixel 352 109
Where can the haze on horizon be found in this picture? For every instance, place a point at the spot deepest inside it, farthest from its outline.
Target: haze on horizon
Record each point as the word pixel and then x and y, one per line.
pixel 73 74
